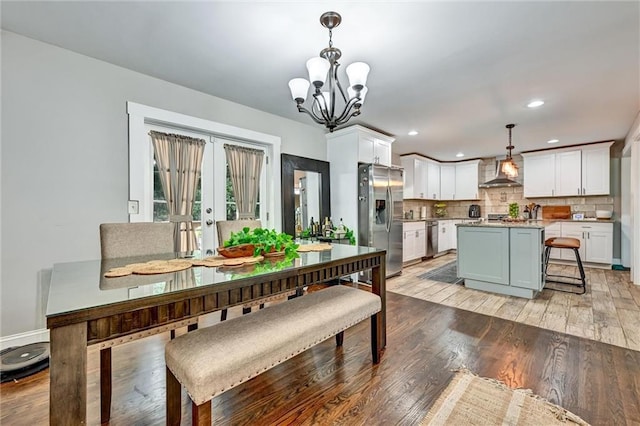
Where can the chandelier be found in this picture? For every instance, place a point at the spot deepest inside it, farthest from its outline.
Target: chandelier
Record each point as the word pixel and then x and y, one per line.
pixel 323 73
pixel 509 166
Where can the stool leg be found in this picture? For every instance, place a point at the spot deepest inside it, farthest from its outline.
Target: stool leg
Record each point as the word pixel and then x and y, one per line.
pixel 547 256
pixel 339 338
pixel 173 405
pixel 223 315
pixel 583 277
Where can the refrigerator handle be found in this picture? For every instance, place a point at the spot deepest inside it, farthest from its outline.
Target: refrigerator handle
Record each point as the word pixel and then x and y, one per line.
pixel 389 208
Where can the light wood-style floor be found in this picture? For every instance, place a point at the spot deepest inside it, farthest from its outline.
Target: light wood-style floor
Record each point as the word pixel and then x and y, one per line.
pixel 609 312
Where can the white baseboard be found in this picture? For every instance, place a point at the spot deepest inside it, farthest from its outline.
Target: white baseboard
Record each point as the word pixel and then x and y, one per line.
pixel 21 339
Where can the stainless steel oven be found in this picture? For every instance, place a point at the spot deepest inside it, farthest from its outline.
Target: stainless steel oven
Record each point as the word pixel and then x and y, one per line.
pixel 432 237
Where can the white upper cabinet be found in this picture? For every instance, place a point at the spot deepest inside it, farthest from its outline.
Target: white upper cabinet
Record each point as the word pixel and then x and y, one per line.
pixel 595 170
pixel 422 178
pixel 568 172
pixel 447 181
pixel 467 180
pixel 430 180
pixel 539 175
pixel 433 180
pixel 374 150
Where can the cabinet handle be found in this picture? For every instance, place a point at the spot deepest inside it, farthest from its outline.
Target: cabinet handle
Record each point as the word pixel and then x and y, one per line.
pixel 416 234
pixel 588 235
pixel 579 191
pixel 584 191
pixel 553 192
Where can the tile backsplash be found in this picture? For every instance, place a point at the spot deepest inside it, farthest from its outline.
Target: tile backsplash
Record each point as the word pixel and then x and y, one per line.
pixel 496 200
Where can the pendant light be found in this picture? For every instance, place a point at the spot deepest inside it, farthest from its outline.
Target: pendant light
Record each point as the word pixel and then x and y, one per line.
pixel 509 166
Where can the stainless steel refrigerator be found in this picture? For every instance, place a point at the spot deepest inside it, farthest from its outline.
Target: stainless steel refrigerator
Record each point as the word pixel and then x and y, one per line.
pixel 380 213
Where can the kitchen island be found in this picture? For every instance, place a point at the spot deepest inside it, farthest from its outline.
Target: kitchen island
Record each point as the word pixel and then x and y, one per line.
pixel 502 257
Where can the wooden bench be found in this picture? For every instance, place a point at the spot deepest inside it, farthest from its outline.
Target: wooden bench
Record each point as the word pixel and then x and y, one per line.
pixel 211 360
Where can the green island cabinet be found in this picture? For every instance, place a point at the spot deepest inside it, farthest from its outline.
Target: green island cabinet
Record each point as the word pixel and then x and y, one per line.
pixel 505 259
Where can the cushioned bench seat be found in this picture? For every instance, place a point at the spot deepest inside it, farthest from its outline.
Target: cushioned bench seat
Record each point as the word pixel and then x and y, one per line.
pixel 212 360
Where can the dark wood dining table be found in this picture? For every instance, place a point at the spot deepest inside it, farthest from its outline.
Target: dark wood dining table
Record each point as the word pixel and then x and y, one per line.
pixel 84 308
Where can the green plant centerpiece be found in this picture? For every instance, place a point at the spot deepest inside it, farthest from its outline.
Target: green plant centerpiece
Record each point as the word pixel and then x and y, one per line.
pixel 263 241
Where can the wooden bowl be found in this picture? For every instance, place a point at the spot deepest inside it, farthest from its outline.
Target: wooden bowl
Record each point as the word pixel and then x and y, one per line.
pixel 241 250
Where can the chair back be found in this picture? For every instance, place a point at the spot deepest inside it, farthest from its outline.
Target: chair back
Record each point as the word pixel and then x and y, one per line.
pixel 226 227
pixel 135 239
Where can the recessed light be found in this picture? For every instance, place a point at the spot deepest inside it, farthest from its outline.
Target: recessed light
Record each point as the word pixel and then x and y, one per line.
pixel 553 141
pixel 459 155
pixel 413 133
pixel 535 104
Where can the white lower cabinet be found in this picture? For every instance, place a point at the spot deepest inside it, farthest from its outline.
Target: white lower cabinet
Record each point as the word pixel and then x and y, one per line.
pixel 447 237
pixel 596 241
pixel 414 241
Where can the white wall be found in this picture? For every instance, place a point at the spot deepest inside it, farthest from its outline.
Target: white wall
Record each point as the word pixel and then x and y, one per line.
pixel 65 159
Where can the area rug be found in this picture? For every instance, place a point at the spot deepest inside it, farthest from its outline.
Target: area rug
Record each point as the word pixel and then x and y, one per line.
pixel 445 274
pixel 473 400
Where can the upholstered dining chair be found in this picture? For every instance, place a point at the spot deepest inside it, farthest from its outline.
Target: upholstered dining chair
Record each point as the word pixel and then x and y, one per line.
pixel 125 240
pixel 225 228
pixel 135 239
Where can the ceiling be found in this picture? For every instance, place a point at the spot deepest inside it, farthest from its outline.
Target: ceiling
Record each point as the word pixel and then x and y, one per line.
pixel 457 72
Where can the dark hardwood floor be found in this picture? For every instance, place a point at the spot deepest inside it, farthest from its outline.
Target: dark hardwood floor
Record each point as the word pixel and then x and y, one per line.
pixel 329 385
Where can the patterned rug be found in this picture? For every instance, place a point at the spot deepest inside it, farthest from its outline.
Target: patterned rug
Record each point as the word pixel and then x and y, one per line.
pixel 473 400
pixel 446 274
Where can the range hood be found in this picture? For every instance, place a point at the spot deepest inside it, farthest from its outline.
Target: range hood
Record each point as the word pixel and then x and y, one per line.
pixel 501 180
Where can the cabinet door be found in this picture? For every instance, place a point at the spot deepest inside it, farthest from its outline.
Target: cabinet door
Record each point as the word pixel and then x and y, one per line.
pixel 599 247
pixel 447 181
pixel 539 175
pixel 443 236
pixel 525 253
pixel 420 179
pixel 453 237
pixel 433 181
pixel 568 173
pixel 466 181
pixel 382 152
pixel 483 254
pixel 366 153
pixel 595 171
pixel 408 245
pixel 571 230
pixel 408 164
pixel 421 243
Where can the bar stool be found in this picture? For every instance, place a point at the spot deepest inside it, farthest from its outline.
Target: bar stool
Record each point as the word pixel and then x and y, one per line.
pixel 565 243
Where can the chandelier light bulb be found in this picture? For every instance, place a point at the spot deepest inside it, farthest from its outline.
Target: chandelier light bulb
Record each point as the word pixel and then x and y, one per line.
pixel 318 68
pixel 357 73
pixel 299 88
pixel 353 92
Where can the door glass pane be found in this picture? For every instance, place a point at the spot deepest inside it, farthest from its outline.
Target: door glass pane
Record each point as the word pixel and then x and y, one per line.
pixel 232 212
pixel 161 209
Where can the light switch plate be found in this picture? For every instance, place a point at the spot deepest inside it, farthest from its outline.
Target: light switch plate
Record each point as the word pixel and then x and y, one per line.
pixel 134 207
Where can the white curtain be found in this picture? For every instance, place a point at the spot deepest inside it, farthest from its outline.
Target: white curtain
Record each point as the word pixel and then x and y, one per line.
pixel 179 161
pixel 245 166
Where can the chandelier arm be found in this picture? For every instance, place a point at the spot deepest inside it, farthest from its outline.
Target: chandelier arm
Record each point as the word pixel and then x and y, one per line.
pixel 321 102
pixel 344 96
pixel 347 114
pixel 311 114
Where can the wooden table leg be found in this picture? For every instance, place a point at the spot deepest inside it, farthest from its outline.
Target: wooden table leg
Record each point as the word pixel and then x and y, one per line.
pixel 379 287
pixel 68 375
